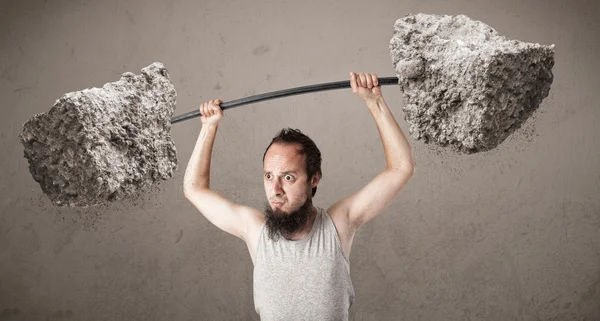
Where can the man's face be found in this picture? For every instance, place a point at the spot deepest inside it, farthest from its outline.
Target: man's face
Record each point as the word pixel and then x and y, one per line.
pixel 287 188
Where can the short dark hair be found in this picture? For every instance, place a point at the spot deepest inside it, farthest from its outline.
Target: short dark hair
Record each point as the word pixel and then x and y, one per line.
pixel 309 149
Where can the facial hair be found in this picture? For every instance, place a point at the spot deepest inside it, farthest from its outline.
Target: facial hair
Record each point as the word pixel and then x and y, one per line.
pixel 280 223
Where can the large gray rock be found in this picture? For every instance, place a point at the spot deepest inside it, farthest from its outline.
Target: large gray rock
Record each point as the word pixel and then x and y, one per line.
pixel 465 85
pixel 104 144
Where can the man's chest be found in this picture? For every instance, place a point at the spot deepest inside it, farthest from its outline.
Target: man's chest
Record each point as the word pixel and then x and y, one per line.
pixel 342 225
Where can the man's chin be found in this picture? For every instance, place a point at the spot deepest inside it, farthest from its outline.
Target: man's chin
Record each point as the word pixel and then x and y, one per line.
pixel 277 211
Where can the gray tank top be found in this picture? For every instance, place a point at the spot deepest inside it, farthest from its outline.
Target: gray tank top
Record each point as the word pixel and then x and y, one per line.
pixel 308 279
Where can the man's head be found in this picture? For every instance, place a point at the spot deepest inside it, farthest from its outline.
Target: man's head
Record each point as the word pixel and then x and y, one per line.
pixel 292 170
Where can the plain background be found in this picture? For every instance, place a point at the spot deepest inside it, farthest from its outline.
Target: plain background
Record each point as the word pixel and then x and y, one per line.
pixel 509 234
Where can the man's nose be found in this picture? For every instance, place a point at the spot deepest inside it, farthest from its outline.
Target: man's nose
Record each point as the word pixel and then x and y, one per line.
pixel 277 190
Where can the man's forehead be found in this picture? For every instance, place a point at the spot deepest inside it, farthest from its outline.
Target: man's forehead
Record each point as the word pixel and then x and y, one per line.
pixel 283 164
pixel 281 152
pixel 284 159
pixel 280 147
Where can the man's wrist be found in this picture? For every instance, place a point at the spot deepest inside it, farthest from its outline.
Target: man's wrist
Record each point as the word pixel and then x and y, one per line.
pixel 376 103
pixel 210 126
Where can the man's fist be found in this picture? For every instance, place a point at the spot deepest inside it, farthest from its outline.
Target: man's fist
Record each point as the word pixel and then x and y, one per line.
pixel 365 86
pixel 211 112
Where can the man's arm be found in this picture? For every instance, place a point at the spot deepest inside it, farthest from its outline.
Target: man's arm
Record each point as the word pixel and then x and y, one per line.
pixel 222 212
pixel 372 199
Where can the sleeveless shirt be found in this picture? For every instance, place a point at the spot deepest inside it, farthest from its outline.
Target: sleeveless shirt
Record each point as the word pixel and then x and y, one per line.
pixel 307 279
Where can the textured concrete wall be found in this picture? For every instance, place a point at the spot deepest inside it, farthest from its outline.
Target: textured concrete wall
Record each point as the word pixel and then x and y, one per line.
pixel 509 234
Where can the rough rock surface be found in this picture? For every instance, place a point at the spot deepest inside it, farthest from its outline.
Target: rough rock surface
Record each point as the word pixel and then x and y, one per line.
pixel 104 144
pixel 465 85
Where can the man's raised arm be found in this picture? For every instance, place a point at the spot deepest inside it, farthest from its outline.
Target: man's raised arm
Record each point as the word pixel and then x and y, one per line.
pixel 372 199
pixel 222 212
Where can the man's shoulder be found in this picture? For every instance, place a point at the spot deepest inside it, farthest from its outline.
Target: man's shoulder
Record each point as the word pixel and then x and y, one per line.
pixel 336 211
pixel 339 216
pixel 254 217
pixel 255 221
pixel 345 231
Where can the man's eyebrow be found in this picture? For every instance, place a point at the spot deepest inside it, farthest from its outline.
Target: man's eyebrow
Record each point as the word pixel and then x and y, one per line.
pixel 286 172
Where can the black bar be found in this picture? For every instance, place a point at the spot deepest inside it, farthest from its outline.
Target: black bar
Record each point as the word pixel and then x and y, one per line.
pixel 281 93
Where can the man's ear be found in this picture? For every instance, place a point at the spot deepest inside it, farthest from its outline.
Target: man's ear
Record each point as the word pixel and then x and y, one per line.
pixel 315 180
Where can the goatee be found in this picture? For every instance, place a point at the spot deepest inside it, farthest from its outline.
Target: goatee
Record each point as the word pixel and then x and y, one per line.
pixel 280 223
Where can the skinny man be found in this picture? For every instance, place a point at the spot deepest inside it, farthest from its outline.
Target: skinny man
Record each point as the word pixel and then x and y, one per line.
pixel 301 251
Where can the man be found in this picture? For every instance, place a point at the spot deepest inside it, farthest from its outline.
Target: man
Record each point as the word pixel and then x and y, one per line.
pixel 301 252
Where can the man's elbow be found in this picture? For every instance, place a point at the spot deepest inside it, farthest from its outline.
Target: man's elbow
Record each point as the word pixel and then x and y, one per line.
pixel 187 192
pixel 405 170
pixel 187 187
pixel 409 169
pixel 192 186
pixel 191 190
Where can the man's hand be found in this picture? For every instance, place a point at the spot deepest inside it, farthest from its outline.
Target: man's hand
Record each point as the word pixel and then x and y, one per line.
pixel 365 86
pixel 211 112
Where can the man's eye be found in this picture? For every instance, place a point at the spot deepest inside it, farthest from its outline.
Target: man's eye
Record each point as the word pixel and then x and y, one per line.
pixel 288 177
pixel 268 176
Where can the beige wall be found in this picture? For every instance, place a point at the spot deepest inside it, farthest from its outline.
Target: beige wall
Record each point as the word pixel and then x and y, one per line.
pixel 510 234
